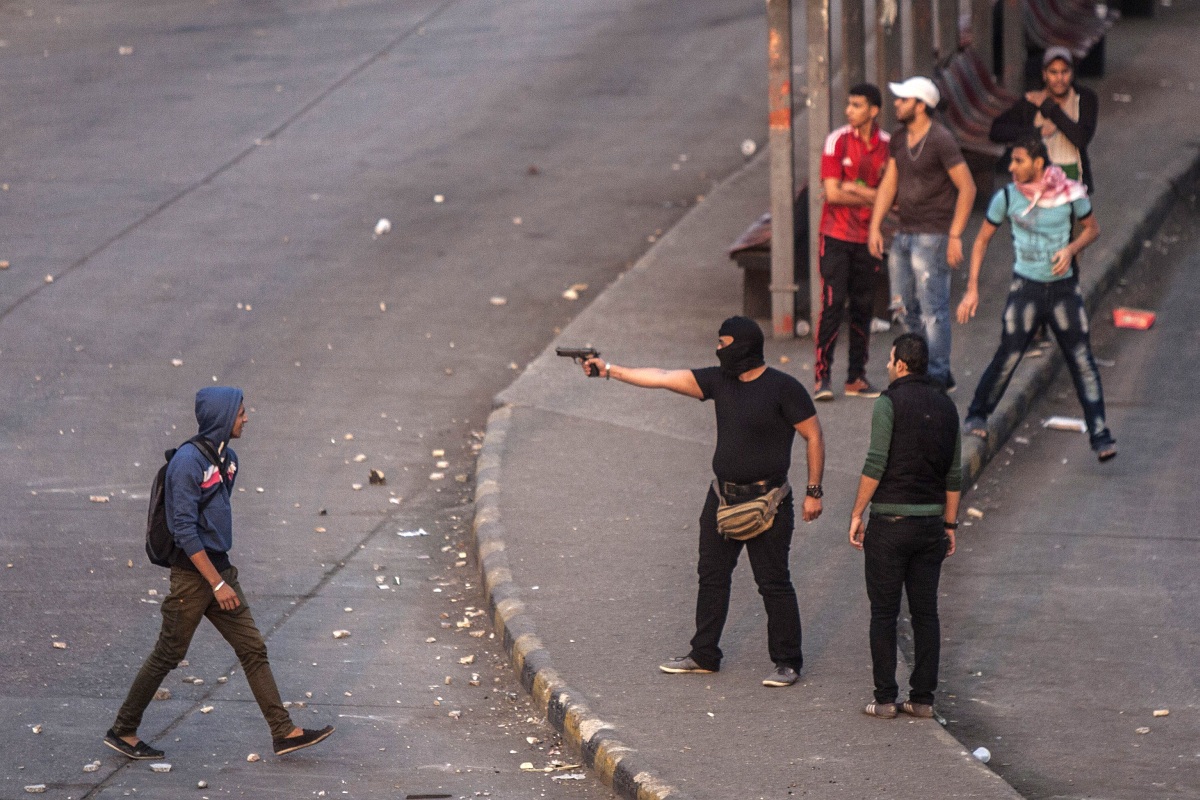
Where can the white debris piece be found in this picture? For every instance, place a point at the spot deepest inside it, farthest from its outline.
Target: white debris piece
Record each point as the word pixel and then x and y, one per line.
pixel 161 766
pixel 162 694
pixel 356 486
pixel 206 709
pixel 60 645
pixel 1122 97
pixel 749 148
pixel 974 512
pixel 253 757
pixel 36 728
pixel 1142 730
pixel 92 767
pixel 222 679
pixel 410 534
pixel 383 226
pixel 341 634
pixel 983 754
pixel 498 300
pixel 361 457
pixel 467 659
pixel 176 362
pixel 438 453
pixel 439 198
pixel 437 476
pixel 125 50
pixel 570 776
pixel 49 279
pixel 36 788
pixel 1162 712
pixel 454 714
pixel 442 464
pixel 99 498
pixel 1065 424
pixel 201 784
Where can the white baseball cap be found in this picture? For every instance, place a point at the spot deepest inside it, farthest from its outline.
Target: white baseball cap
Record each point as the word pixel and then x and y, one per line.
pixel 919 88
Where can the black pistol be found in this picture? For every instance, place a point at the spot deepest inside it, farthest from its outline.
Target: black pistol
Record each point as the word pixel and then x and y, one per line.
pixel 581 355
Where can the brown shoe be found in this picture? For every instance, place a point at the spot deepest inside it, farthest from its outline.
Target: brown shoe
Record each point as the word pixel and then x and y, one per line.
pixel 881 710
pixel 922 710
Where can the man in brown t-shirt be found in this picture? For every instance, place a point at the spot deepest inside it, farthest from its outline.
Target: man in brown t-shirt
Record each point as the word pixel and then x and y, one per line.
pixel 932 187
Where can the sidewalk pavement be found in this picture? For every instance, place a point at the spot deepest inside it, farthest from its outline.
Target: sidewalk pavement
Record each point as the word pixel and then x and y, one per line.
pixel 588 494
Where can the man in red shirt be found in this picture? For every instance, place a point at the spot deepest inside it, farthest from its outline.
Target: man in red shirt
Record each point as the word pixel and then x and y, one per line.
pixel 852 165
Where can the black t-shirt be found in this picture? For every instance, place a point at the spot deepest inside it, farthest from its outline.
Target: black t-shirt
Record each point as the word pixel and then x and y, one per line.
pixel 755 422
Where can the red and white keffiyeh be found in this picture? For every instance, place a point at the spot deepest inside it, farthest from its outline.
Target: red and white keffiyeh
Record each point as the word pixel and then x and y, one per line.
pixel 1052 190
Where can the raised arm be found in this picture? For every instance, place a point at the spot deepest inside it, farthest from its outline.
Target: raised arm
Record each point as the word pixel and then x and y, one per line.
pixel 1079 132
pixel 680 381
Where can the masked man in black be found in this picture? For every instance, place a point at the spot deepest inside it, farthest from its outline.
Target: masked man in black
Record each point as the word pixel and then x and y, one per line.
pixel 759 411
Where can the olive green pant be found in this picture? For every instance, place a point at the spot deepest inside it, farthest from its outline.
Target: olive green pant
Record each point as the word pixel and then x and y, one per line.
pixel 191 600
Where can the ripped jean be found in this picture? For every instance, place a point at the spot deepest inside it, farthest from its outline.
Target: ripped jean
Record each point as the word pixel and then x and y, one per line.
pixel 1059 305
pixel 920 279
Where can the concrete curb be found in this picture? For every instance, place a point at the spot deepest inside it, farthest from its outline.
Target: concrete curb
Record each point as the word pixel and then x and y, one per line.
pixel 1026 387
pixel 616 764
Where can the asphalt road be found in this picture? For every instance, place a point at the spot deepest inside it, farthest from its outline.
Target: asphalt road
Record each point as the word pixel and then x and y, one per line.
pixel 188 193
pixel 1062 684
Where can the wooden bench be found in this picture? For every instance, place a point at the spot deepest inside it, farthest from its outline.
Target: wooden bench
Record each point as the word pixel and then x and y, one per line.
pixel 752 252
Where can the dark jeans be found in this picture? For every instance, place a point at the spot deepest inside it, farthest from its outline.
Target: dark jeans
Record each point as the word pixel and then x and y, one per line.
pixel 905 553
pixel 848 275
pixel 769 561
pixel 191 600
pixel 1058 305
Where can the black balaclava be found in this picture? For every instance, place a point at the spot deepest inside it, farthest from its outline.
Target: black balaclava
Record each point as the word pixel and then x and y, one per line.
pixel 745 352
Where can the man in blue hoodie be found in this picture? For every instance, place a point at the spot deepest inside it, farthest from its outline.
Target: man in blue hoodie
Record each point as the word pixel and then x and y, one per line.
pixel 204 583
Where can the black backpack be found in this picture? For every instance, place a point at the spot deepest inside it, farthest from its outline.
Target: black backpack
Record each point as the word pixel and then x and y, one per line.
pixel 160 543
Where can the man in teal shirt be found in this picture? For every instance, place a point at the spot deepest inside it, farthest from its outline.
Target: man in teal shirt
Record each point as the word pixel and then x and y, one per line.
pixel 1042 205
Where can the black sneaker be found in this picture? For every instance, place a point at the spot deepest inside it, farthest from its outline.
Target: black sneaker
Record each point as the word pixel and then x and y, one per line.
pixel 310 737
pixel 822 391
pixel 139 752
pixel 782 676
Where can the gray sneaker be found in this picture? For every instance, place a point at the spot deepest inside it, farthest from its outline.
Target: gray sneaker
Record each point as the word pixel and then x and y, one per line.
pixel 782 676
pixel 683 664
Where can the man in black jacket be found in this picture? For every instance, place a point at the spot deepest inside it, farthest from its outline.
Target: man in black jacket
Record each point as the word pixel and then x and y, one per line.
pixel 1063 113
pixel 912 479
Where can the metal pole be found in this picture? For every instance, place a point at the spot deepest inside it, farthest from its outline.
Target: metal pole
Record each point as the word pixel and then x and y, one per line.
pixel 783 178
pixel 818 128
pixel 981 30
pixel 854 42
pixel 947 25
pixel 1014 46
pixel 922 37
pixel 889 56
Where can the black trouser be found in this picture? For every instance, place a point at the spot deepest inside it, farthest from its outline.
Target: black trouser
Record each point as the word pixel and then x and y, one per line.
pixel 905 553
pixel 769 561
pixel 848 275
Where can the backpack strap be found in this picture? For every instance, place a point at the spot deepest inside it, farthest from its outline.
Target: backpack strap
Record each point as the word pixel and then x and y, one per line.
pixel 207 450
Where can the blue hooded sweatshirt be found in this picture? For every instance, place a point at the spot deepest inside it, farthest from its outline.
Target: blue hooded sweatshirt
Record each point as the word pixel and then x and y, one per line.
pixel 192 479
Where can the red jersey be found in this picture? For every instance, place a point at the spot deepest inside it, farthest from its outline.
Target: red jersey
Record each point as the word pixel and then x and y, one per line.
pixel 847 158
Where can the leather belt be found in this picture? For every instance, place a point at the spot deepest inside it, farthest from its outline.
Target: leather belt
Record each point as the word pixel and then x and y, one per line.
pixel 749 491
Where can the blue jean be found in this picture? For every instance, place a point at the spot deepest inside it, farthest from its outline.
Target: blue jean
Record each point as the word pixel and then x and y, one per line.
pixel 1058 305
pixel 905 553
pixel 920 278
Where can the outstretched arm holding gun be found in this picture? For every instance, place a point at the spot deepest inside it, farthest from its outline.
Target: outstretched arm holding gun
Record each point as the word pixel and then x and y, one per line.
pixel 681 381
